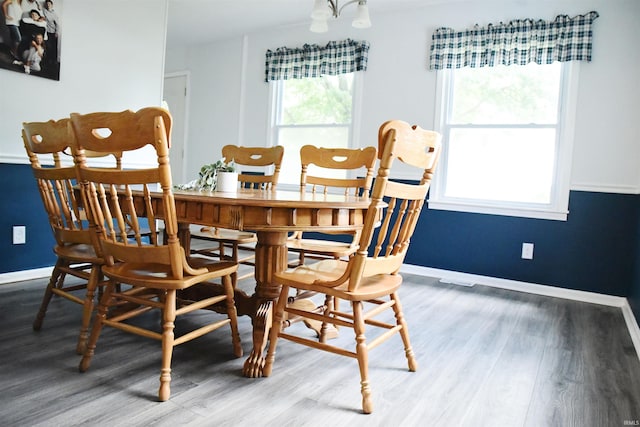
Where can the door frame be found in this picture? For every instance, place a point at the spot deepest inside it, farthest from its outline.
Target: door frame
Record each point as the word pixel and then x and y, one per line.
pixel 185 119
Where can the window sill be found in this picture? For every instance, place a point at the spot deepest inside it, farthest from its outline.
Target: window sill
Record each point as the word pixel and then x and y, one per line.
pixel 556 215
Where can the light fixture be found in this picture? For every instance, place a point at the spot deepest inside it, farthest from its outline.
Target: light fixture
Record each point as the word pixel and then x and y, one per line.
pixel 323 9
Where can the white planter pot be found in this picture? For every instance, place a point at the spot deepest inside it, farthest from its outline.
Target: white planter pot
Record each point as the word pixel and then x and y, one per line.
pixel 227 182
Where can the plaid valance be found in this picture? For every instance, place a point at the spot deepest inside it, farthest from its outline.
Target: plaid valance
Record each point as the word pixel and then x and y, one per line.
pixel 516 43
pixel 337 57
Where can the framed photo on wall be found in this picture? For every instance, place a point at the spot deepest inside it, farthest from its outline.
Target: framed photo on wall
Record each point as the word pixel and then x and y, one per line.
pixel 30 35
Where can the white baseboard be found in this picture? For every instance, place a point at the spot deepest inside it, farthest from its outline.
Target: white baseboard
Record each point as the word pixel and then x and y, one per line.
pixel 514 285
pixel 632 324
pixel 20 276
pixel 466 279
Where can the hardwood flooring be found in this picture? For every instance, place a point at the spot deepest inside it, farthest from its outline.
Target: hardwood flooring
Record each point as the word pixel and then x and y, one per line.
pixel 487 357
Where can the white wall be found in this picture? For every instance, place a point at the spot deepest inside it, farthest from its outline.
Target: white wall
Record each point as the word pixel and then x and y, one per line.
pixel 399 85
pixel 215 99
pixel 112 59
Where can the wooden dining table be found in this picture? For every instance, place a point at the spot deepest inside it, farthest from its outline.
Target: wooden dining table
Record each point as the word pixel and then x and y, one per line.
pixel 272 215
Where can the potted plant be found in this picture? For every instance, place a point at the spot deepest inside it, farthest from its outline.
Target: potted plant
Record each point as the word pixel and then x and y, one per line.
pixel 226 176
pixel 219 176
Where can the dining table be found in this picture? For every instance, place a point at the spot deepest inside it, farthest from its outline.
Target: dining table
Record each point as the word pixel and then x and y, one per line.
pixel 272 215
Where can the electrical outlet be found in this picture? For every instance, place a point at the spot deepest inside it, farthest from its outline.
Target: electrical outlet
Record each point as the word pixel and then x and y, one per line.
pixel 19 234
pixel 527 251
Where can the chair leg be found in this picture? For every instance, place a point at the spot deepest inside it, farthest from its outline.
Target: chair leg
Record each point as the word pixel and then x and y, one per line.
pixel 404 333
pixel 276 327
pixel 328 308
pixel 232 313
pixel 363 357
pixel 168 324
pixel 87 309
pixel 234 257
pixel 336 307
pixel 101 314
pixel 56 277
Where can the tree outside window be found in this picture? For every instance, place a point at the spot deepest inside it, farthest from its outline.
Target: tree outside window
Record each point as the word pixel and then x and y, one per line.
pixel 315 111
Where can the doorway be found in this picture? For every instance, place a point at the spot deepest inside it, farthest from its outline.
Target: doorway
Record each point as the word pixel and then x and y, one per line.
pixel 175 95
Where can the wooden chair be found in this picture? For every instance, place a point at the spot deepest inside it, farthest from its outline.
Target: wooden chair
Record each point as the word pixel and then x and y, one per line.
pixel 46 144
pixel 369 280
pixel 259 159
pixel 155 272
pixel 358 160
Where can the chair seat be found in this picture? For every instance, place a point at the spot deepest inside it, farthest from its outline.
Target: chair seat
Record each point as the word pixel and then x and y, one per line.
pixel 159 275
pixel 78 252
pixel 225 235
pixel 322 247
pixel 305 277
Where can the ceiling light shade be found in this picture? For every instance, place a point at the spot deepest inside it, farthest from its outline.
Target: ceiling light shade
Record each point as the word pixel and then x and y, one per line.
pixel 362 16
pixel 320 10
pixel 319 26
pixel 323 9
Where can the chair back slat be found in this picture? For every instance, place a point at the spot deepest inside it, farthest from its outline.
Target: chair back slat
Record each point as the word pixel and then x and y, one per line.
pixel 151 224
pixel 387 231
pixel 119 219
pixel 256 158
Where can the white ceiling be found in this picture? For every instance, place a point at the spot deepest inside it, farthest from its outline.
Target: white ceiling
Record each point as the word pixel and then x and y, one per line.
pixel 198 21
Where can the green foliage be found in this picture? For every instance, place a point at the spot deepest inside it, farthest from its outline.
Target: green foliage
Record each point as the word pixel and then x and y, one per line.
pixel 515 94
pixel 208 176
pixel 220 166
pixel 324 100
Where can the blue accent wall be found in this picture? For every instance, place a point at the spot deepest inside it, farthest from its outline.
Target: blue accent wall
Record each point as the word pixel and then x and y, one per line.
pixel 594 250
pixel 597 249
pixel 634 291
pixel 20 204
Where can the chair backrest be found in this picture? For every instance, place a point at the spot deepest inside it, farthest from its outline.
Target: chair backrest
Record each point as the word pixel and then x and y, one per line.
pixel 46 143
pixel 360 160
pixel 387 231
pixel 108 193
pixel 256 157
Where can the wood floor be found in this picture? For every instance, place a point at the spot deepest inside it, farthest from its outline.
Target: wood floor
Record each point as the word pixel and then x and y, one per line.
pixel 488 357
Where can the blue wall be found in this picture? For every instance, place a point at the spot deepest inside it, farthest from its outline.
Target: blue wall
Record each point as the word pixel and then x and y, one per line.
pixel 594 250
pixel 597 249
pixel 634 291
pixel 20 204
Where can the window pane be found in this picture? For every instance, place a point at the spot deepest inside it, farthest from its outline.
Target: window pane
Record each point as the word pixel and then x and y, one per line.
pixel 506 95
pixel 325 100
pixel 515 165
pixel 294 138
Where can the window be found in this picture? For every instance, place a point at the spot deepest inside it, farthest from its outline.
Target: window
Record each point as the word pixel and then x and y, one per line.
pixel 317 111
pixel 507 135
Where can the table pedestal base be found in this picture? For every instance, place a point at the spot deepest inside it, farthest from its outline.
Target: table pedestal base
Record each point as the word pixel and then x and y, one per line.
pixel 271 257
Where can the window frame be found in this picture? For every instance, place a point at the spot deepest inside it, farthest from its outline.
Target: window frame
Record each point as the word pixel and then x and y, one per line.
pixel 275 102
pixel 558 208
